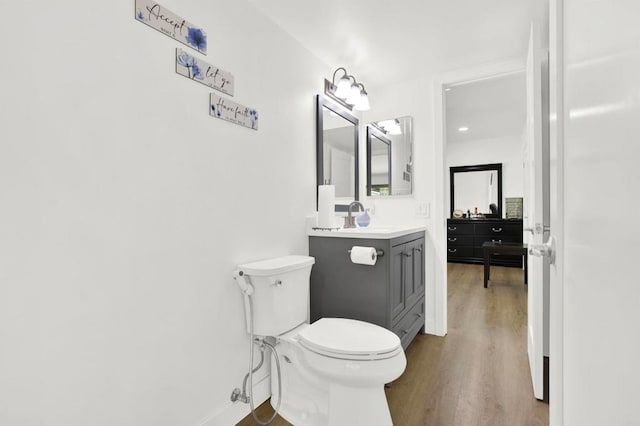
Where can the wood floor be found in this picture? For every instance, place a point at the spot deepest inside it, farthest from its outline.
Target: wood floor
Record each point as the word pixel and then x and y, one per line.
pixel 479 373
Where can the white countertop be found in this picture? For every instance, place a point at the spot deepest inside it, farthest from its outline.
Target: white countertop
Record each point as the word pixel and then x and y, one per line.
pixel 372 232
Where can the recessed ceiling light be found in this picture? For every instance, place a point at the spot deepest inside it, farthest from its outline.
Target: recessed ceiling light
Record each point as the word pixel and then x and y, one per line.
pixel 447 89
pixel 463 129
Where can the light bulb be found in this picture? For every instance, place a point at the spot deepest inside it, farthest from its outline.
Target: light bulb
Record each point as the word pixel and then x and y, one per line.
pixel 363 103
pixel 354 95
pixel 344 87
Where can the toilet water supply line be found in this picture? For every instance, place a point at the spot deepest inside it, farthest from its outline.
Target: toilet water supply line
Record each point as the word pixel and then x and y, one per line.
pixel 247 290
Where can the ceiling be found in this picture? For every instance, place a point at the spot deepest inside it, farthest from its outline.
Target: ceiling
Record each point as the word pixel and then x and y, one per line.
pixel 384 41
pixel 491 108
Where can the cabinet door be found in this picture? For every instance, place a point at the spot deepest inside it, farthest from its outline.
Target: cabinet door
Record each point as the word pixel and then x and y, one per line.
pixel 397 290
pixel 414 265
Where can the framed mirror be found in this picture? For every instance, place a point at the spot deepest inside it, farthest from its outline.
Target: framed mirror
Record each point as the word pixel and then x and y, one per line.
pixel 337 151
pixel 476 186
pixel 390 157
pixel 378 162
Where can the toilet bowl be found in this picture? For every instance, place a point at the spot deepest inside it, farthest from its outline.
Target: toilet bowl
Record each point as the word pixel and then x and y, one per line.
pixel 332 372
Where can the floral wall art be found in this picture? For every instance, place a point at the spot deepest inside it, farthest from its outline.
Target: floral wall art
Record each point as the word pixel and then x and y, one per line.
pixel 202 72
pixel 194 68
pixel 233 112
pixel 167 22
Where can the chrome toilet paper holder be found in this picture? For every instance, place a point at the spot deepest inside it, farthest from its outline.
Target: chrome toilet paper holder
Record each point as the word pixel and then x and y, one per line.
pixel 379 252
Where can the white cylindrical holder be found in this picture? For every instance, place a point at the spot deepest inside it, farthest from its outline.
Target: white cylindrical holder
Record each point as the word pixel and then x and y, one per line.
pixel 364 255
pixel 326 206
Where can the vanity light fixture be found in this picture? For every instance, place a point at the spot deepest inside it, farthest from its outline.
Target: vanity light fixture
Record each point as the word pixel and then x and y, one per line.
pixel 391 127
pixel 347 92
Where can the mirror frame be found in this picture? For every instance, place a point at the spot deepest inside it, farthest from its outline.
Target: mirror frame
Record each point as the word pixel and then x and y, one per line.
pixel 324 102
pixel 372 132
pixel 477 168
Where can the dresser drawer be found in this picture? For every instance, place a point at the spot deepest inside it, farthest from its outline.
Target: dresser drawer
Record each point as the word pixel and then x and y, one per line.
pixel 479 239
pixel 458 252
pixel 498 229
pixel 459 228
pixel 459 240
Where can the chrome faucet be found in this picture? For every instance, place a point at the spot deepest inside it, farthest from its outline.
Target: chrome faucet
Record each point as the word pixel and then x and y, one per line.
pixel 349 221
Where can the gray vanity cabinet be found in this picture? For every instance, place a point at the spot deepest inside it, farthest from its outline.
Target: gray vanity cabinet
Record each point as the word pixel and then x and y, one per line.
pixel 389 293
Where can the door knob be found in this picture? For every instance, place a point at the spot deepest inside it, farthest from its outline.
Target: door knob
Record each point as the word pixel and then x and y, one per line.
pixel 538 229
pixel 547 249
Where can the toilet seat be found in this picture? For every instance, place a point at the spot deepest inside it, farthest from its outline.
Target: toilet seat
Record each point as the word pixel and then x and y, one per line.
pixel 349 339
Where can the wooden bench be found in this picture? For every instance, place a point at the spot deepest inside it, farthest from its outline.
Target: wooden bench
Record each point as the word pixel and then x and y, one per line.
pixel 490 248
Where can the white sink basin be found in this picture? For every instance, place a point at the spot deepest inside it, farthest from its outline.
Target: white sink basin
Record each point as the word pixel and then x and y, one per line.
pixel 372 232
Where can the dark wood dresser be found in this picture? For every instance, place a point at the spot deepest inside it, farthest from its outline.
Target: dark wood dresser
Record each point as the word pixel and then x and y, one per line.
pixel 465 238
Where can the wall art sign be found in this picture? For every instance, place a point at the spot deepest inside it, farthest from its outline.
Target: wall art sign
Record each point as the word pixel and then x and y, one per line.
pixel 233 112
pixel 202 72
pixel 167 22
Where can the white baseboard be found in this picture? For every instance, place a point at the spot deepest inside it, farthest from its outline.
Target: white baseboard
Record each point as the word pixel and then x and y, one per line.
pixel 430 326
pixel 233 412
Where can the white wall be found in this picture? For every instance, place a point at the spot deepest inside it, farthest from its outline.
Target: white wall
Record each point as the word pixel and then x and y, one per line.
pixel 506 150
pixel 124 208
pixel 410 98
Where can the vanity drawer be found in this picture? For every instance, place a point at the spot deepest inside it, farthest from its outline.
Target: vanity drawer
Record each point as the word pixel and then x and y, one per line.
pixel 499 229
pixel 409 325
pixel 459 240
pixel 459 228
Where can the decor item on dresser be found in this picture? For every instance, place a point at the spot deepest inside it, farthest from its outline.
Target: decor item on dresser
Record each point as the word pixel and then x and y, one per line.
pixel 466 236
pixel 389 293
pixel 513 207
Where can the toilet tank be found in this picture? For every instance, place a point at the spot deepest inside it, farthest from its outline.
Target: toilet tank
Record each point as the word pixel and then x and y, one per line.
pixel 281 293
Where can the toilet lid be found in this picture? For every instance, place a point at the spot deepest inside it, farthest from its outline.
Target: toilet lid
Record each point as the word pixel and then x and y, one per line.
pixel 339 337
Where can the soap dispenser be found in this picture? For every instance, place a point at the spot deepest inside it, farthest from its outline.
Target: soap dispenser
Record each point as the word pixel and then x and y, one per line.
pixel 363 219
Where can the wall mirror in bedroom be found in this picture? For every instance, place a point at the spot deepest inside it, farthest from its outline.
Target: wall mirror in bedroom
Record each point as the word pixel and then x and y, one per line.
pixel 476 187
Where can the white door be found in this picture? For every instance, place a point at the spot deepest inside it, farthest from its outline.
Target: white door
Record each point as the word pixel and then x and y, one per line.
pixel 556 160
pixel 600 158
pixel 537 206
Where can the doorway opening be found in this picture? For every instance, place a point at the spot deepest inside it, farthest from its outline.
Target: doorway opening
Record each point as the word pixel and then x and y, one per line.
pixel 484 124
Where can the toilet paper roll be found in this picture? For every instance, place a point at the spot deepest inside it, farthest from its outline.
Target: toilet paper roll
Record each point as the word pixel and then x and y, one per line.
pixel 326 206
pixel 364 255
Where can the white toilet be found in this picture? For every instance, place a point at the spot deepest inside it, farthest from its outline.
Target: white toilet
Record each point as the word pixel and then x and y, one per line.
pixel 334 370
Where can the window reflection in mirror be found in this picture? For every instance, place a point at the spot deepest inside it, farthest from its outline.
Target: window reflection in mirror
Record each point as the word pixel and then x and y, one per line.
pixel 390 173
